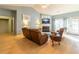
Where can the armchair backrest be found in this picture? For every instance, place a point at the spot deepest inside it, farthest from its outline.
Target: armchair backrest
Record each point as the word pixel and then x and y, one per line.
pixel 61 30
pixel 53 34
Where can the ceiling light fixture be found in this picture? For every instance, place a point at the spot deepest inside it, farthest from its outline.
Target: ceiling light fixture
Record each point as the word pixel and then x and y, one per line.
pixel 44 6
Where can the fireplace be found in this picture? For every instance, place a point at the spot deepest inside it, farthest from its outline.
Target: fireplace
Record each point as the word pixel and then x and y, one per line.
pixel 45 29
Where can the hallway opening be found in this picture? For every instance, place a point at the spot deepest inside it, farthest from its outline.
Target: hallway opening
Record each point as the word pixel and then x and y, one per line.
pixel 6 25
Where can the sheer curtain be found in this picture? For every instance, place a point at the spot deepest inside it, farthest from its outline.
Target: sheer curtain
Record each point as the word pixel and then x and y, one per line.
pixel 73 25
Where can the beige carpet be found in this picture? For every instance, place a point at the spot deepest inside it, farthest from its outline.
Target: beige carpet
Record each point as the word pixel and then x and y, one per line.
pixel 10 44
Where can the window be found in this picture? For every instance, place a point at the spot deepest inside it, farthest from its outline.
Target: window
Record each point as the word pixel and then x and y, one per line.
pixel 70 24
pixel 73 25
pixel 59 23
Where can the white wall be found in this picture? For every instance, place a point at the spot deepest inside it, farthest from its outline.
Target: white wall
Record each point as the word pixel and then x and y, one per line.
pixel 34 15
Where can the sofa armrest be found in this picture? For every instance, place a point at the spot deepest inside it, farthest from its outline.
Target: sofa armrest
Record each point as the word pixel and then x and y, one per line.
pixel 44 39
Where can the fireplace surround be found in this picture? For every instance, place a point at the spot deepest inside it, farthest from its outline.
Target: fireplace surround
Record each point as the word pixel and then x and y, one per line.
pixel 45 29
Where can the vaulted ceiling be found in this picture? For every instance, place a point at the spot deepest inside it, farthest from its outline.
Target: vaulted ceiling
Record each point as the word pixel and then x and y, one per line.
pixel 51 9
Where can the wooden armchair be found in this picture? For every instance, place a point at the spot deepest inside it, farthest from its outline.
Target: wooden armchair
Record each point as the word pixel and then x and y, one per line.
pixel 55 38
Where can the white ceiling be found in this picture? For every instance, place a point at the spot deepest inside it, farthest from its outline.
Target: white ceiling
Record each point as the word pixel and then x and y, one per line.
pixel 52 9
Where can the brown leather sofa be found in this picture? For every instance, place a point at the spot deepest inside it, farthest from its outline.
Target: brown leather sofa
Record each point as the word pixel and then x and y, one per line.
pixel 35 35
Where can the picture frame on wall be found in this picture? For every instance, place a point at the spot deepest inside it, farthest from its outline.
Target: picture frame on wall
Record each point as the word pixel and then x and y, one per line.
pixel 26 20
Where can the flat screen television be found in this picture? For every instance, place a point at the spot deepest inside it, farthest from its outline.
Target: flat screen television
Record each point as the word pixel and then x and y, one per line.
pixel 45 20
